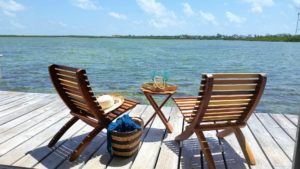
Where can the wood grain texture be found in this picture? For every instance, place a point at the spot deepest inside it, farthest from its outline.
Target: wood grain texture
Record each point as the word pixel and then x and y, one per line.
pixel 286 124
pixel 118 162
pixel 269 146
pixel 34 156
pixel 169 151
pixel 293 118
pixel 73 87
pixel 278 133
pixel 146 157
pixel 204 112
pixel 26 144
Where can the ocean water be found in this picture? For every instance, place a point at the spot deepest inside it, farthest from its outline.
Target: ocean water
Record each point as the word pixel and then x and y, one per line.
pixel 122 65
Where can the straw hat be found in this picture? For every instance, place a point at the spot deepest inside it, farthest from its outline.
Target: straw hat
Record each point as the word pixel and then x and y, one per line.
pixel 110 102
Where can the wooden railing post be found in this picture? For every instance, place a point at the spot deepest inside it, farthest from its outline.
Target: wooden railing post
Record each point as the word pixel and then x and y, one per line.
pixel 296 163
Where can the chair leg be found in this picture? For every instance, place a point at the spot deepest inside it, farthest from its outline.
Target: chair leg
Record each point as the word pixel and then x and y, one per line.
pixel 185 134
pixel 225 132
pixel 244 146
pixel 85 142
pixel 205 148
pixel 62 131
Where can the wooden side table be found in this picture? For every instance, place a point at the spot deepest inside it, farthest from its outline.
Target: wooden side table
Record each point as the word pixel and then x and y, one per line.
pixel 149 95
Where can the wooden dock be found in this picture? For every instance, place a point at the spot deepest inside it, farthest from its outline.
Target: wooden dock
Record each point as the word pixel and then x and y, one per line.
pixel 29 120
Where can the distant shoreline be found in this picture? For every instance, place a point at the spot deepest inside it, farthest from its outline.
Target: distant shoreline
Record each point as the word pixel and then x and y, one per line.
pixel 268 38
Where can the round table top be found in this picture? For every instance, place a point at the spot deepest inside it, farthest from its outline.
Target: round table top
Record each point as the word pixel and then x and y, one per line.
pixel 147 90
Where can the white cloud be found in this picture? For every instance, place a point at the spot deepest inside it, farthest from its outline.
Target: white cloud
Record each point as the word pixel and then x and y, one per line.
pixel 86 4
pixel 208 17
pixel 257 9
pixel 161 16
pixel 58 24
pixel 257 5
pixel 118 15
pixel 152 7
pixel 10 14
pixel 234 18
pixel 11 6
pixel 163 22
pixel 187 9
pixel 62 24
pixel 296 3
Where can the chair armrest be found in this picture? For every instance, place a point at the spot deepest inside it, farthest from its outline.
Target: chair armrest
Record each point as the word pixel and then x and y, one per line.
pixel 185 97
pixel 127 105
pixel 133 101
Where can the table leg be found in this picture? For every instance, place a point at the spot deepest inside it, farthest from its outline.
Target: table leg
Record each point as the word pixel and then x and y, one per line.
pixel 159 112
pixel 152 117
pixel 154 114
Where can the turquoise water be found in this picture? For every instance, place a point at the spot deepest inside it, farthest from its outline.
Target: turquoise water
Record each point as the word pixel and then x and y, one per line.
pixel 122 65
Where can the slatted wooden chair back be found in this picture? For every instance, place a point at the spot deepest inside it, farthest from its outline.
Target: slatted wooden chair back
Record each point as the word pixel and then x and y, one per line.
pixel 228 99
pixel 73 87
pixel 225 102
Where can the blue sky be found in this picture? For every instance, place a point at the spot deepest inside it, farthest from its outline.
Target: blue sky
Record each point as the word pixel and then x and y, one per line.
pixel 147 17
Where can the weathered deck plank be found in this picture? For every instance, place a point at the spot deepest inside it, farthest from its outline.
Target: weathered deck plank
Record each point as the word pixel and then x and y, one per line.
pixel 19 139
pixel 146 157
pixel 4 94
pixel 18 121
pixel 15 102
pixel 26 108
pixel 281 138
pixel 233 153
pixel 261 159
pixel 286 124
pixel 119 162
pixel 102 155
pixel 169 151
pixel 34 118
pixel 293 118
pixel 8 99
pixel 96 144
pixel 268 144
pixel 216 149
pixel 190 153
pixel 51 109
pixel 55 158
pixel 34 156
pixel 18 152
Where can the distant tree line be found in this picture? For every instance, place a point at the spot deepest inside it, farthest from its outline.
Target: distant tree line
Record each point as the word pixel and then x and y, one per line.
pixel 277 37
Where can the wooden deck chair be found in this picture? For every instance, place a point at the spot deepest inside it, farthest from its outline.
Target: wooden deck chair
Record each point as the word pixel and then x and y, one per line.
pixel 73 87
pixel 225 102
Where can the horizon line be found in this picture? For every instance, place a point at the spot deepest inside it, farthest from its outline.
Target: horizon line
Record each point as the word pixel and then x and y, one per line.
pixel 128 35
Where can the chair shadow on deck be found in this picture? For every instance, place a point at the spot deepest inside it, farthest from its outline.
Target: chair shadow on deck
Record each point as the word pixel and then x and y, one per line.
pixel 11 167
pixel 121 161
pixel 191 155
pixel 63 149
pixel 189 151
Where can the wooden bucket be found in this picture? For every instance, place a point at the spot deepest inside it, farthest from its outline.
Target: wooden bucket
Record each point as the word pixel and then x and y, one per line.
pixel 125 144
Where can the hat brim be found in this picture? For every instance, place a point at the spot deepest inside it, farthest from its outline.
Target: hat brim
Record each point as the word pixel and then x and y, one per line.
pixel 118 101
